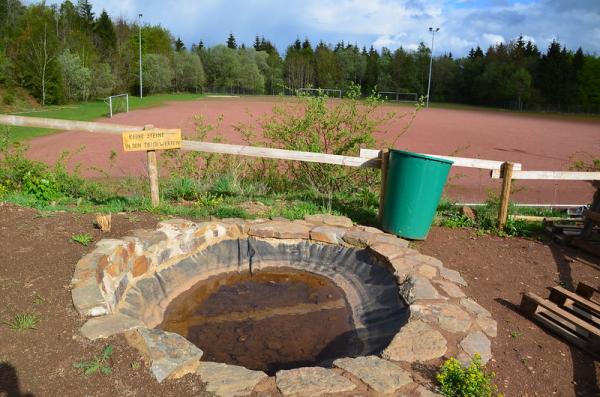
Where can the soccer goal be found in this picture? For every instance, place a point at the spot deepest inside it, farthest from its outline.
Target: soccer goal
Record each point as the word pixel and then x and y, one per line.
pixel 117 104
pixel 330 92
pixel 399 96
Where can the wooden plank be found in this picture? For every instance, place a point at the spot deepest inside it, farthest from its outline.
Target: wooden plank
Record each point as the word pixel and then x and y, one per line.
pixel 457 161
pixel 587 246
pixel 560 295
pixel 152 172
pixel 532 218
pixel 580 325
pixel 67 125
pixel 552 175
pixel 507 170
pixel 586 290
pixel 281 154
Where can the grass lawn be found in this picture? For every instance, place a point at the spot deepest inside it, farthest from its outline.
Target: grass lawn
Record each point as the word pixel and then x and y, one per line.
pixel 88 111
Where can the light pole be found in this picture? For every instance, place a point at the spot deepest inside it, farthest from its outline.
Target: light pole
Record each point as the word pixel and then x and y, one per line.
pixel 140 48
pixel 433 32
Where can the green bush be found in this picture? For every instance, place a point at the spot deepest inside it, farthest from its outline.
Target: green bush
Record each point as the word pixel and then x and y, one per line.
pixel 42 187
pixel 472 381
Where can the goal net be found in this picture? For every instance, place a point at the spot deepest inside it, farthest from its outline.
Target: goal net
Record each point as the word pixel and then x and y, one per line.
pixel 399 96
pixel 117 104
pixel 330 92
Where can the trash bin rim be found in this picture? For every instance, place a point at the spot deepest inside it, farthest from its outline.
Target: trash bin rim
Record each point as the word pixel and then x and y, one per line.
pixel 422 156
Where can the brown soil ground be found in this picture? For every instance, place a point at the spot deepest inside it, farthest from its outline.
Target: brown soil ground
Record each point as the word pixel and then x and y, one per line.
pixel 38 259
pixel 538 142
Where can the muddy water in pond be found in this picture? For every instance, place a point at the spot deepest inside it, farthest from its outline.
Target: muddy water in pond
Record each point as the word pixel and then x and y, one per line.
pixel 268 321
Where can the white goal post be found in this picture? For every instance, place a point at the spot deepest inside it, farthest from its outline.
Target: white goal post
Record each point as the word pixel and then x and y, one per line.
pixel 113 100
pixel 330 92
pixel 399 96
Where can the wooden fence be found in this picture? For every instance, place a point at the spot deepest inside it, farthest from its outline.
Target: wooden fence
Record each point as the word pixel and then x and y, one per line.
pixel 368 158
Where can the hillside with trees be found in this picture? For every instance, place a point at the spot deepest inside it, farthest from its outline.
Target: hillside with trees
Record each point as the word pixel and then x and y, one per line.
pixel 71 52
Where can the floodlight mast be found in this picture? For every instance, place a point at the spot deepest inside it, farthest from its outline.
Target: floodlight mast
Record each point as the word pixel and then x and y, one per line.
pixel 140 48
pixel 433 32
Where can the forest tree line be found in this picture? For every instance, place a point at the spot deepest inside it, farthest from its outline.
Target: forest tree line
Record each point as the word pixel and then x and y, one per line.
pixel 68 52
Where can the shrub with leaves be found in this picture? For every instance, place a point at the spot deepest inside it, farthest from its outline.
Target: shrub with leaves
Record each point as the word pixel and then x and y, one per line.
pixel 472 381
pixel 43 186
pixel 97 364
pixel 317 124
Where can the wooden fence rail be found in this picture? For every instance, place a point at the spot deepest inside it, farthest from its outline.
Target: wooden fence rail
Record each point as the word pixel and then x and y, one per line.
pixel 368 158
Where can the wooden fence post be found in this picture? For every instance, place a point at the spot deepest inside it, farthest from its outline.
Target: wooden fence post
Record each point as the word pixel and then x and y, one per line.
pixel 507 171
pixel 153 172
pixel 385 155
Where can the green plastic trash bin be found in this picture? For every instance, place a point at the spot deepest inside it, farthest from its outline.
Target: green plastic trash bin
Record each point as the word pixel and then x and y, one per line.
pixel 413 190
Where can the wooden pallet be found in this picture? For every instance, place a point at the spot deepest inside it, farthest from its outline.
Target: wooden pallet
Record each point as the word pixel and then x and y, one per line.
pixel 571 315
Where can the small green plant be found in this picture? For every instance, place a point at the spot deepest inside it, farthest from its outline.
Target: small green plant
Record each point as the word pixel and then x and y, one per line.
pixel 208 200
pixel 135 365
pixel 38 300
pixel 472 381
pixel 23 321
pixel 515 334
pixel 3 191
pixel 42 187
pixel 97 364
pixel 83 239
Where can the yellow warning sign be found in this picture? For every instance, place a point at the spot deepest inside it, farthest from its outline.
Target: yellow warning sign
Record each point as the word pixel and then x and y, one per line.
pixel 155 139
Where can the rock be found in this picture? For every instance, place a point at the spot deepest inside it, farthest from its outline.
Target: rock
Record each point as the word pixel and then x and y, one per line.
pixel 429 260
pixel 369 229
pixel 169 355
pixel 358 238
pixel 451 289
pixel 403 266
pixel 453 276
pixel 469 213
pixel 280 229
pixel 382 238
pixel 416 341
pixel 379 374
pixel 111 324
pixel 88 299
pixel 329 220
pixel 385 252
pixel 447 316
pixel 327 234
pixel 477 343
pixel 487 325
pixel 229 380
pixel 423 392
pixel 311 381
pixel 475 308
pixel 427 271
pixel 417 287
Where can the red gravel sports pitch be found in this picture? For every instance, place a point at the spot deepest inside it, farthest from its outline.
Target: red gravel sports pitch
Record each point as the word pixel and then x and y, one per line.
pixel 538 142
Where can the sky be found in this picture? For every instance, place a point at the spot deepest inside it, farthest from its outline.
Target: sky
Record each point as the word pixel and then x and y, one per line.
pixel 463 24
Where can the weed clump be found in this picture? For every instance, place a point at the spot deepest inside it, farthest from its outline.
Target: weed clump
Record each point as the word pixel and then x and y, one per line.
pixel 472 381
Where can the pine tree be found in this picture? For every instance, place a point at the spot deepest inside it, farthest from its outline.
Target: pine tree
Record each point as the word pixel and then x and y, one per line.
pixel 105 36
pixel 231 42
pixel 179 46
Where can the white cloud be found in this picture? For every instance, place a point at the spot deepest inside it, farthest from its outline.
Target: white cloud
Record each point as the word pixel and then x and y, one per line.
pixel 493 39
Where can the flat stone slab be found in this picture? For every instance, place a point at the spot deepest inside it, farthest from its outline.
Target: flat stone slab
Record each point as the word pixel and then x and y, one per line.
pixel 311 381
pixel 475 308
pixel 169 355
pixel 329 220
pixel 226 380
pixel 453 276
pixel 477 343
pixel 451 289
pixel 280 229
pixel 423 392
pixel 416 341
pixel 111 324
pixel 488 326
pixel 416 288
pixel 379 374
pixel 447 316
pixel 328 234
